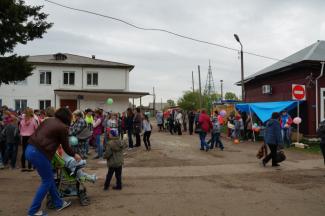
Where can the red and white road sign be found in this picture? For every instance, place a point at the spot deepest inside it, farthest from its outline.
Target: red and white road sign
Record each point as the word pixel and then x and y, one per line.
pixel 298 92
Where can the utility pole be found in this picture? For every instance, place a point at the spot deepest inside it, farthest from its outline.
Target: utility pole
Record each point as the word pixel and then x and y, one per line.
pixel 192 81
pixel 242 68
pixel 200 92
pixel 154 100
pixel 221 85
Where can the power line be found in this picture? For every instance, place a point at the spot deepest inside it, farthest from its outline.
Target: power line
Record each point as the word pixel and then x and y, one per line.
pixel 164 30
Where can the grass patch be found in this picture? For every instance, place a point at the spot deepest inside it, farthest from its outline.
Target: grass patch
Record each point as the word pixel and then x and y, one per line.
pixel 313 148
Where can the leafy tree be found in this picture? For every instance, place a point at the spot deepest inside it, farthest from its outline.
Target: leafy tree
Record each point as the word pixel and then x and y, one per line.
pixel 171 102
pixel 19 23
pixel 191 100
pixel 230 96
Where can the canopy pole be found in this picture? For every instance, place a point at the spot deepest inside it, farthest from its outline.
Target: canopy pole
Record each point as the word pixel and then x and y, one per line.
pixel 250 113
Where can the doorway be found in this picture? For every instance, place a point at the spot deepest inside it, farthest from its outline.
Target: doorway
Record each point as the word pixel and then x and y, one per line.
pixel 71 104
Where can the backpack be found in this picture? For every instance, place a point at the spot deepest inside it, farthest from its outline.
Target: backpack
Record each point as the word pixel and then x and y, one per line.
pixel 215 127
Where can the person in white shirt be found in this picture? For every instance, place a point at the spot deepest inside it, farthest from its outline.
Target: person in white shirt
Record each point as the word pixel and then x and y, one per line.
pixel 179 122
pixel 147 132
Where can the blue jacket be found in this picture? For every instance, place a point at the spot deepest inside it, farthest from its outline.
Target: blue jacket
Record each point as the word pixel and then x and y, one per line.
pixel 273 133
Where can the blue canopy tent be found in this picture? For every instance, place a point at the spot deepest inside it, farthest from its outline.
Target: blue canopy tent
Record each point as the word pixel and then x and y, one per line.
pixel 264 110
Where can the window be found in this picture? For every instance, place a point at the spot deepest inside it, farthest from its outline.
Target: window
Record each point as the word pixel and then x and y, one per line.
pixel 0 102
pixel 20 104
pixel 68 78
pixel 43 104
pixel 92 78
pixel 45 77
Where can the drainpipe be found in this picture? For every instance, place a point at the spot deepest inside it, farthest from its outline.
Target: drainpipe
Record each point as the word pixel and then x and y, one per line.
pixel 320 75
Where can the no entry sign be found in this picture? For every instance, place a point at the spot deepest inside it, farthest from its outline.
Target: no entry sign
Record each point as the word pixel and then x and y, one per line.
pixel 298 92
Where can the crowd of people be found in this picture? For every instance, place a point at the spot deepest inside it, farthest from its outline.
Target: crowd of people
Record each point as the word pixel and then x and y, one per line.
pixel 178 122
pixel 47 133
pixel 43 134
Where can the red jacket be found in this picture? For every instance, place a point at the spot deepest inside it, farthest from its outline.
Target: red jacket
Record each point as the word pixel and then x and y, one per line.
pixel 205 122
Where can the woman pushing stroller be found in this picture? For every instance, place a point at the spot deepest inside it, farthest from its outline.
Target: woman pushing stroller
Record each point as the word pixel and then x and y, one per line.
pixel 41 148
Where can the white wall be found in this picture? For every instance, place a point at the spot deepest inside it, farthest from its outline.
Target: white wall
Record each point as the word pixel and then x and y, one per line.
pixel 120 104
pixel 108 78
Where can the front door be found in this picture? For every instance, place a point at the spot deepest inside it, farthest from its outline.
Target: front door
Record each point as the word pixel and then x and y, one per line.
pixel 71 104
pixel 322 104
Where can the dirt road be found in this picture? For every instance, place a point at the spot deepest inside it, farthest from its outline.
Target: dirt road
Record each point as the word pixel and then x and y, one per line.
pixel 175 178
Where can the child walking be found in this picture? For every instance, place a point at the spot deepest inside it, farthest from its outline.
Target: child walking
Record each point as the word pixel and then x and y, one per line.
pixel 147 132
pixel 114 157
pixel 215 134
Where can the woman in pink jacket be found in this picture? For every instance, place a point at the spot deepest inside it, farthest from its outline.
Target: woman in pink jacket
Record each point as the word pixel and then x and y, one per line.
pixel 205 125
pixel 27 128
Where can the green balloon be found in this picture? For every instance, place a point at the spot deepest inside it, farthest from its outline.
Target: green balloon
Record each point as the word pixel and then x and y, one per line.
pixel 109 101
pixel 73 141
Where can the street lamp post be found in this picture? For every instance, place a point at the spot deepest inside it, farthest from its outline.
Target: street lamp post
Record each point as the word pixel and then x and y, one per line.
pixel 221 86
pixel 242 68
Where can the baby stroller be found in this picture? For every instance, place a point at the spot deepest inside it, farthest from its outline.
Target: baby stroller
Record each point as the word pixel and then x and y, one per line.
pixel 67 183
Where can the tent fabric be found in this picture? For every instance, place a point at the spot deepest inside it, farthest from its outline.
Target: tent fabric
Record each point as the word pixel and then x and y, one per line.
pixel 264 110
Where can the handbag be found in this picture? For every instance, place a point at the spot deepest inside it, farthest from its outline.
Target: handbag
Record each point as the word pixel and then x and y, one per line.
pixel 230 126
pixel 262 152
pixel 280 156
pixel 84 134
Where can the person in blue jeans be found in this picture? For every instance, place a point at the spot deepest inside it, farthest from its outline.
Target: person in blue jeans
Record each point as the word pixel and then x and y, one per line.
pixel 205 124
pixel 204 144
pixel 40 150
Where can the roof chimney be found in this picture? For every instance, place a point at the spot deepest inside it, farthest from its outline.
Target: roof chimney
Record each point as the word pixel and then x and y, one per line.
pixel 93 57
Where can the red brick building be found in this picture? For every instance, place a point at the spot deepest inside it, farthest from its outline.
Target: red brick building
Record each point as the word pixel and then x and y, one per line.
pixel 274 83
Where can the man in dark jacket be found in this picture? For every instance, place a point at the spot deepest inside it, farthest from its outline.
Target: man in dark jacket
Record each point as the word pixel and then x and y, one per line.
pixel 129 126
pixel 10 135
pixel 191 117
pixel 273 138
pixel 137 125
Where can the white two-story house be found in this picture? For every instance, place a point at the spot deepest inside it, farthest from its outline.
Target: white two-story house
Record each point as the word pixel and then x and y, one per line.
pixel 72 81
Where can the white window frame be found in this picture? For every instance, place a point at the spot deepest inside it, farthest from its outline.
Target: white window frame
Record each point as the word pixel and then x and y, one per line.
pixel 74 79
pixel 46 72
pixel 20 104
pixel 92 78
pixel 44 101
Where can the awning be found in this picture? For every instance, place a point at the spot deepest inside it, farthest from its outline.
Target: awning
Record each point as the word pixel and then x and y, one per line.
pixel 264 110
pixel 130 94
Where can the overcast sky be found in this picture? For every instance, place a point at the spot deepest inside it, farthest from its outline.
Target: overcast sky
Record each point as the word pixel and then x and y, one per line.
pixel 268 27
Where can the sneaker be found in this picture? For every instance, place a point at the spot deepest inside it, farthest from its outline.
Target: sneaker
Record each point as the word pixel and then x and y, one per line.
pixel 275 165
pixel 97 157
pixel 65 204
pixel 39 213
pixel 130 149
